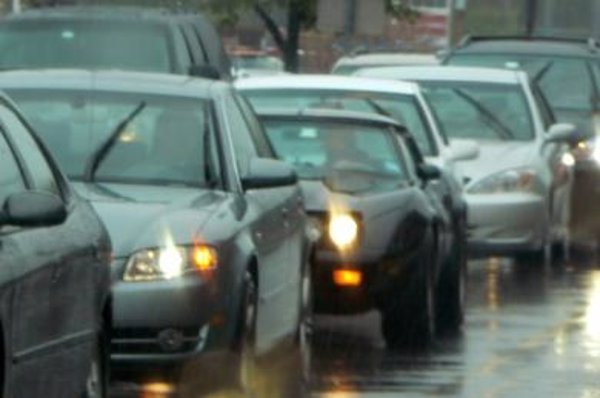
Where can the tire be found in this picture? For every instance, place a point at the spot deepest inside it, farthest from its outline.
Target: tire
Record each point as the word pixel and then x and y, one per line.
pixel 96 384
pixel 450 297
pixel 246 338
pixel 411 322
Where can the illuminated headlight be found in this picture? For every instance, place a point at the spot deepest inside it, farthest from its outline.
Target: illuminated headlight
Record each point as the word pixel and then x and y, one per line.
pixel 518 180
pixel 588 150
pixel 169 262
pixel 343 230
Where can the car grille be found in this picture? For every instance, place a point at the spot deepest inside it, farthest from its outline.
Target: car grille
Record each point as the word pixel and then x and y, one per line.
pixel 147 341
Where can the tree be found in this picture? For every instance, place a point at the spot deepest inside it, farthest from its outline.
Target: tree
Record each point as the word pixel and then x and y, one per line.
pixel 301 14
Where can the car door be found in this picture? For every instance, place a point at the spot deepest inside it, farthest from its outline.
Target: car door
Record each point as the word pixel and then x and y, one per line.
pixel 54 306
pixel 273 233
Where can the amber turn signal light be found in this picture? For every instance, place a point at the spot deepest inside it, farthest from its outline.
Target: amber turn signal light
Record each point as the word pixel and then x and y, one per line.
pixel 204 258
pixel 347 278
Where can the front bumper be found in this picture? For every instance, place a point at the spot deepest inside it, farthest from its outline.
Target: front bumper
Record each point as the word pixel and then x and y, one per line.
pixel 381 278
pixel 162 321
pixel 505 224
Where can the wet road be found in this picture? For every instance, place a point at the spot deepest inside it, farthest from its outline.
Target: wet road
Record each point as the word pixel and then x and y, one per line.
pixel 530 331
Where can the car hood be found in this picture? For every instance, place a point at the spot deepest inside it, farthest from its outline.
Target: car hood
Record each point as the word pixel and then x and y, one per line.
pixel 139 216
pixel 497 156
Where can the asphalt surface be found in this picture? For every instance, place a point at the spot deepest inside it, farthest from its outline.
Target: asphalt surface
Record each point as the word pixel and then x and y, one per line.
pixel 530 331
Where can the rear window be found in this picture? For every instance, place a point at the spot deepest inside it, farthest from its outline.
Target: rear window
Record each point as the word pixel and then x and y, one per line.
pixel 84 44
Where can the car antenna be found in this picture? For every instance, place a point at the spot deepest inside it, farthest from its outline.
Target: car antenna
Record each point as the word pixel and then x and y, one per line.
pixel 99 155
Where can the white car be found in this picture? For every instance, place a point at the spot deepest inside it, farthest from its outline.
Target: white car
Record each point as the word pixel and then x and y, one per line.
pixel 518 189
pixel 349 64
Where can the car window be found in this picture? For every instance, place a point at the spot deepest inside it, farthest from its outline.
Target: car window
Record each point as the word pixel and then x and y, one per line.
pixel 41 173
pixel 165 143
pixel 11 179
pixel 193 44
pixel 542 104
pixel 243 144
pixel 60 43
pixel 348 156
pixel 566 82
pixel 403 108
pixel 480 110
pixel 258 133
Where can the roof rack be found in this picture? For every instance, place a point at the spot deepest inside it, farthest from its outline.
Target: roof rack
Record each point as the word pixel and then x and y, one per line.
pixel 591 42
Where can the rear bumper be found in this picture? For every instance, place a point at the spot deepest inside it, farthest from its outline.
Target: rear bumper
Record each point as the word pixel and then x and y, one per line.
pixel 506 224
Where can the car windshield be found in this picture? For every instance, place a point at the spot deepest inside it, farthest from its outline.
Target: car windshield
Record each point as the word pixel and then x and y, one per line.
pixel 349 157
pixel 84 44
pixel 480 111
pixel 566 82
pixel 164 143
pixel 401 107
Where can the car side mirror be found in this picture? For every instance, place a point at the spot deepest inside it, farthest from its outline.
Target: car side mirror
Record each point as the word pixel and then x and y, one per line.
pixel 33 209
pixel 205 71
pixel 428 172
pixel 562 133
pixel 463 149
pixel 268 173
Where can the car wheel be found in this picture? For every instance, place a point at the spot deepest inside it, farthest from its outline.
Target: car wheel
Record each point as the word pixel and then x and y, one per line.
pixel 96 384
pixel 245 347
pixel 450 297
pixel 411 322
pixel 305 326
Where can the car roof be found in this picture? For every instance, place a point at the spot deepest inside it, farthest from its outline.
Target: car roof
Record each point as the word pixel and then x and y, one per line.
pixel 446 73
pixel 116 81
pixel 95 12
pixel 326 82
pixel 387 58
pixel 529 45
pixel 328 114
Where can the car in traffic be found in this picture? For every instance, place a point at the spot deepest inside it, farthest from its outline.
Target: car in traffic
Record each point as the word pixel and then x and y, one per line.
pixel 382 231
pixel 349 64
pixel 568 73
pixel 518 188
pixel 55 275
pixel 401 101
pixel 113 37
pixel 210 250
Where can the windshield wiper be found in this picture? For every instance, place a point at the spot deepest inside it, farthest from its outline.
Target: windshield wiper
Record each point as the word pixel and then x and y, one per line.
pixel 100 154
pixel 542 72
pixel 504 131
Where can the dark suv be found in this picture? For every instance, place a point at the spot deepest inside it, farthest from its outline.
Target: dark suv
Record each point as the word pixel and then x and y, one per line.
pixel 128 38
pixel 568 72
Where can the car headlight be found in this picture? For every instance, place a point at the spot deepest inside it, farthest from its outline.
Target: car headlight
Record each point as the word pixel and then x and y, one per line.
pixel 518 180
pixel 169 262
pixel 343 230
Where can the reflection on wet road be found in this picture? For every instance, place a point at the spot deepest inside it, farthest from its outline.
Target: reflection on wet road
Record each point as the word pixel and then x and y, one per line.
pixel 530 332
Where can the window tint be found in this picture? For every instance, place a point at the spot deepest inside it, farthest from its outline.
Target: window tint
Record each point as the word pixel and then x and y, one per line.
pixel 60 43
pixel 35 162
pixel 241 136
pixel 11 180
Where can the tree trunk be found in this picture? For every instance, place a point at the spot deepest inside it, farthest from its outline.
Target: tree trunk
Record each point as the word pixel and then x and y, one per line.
pixel 291 59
